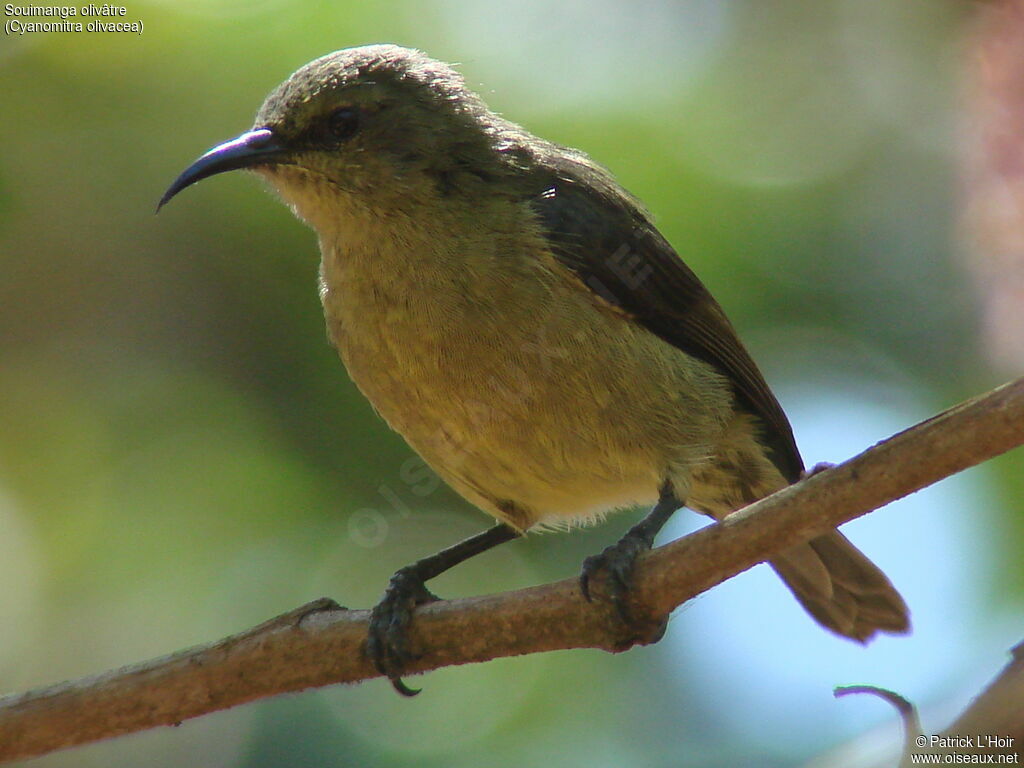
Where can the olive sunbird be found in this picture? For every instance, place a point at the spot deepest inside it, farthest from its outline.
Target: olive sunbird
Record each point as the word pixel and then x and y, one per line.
pixel 513 312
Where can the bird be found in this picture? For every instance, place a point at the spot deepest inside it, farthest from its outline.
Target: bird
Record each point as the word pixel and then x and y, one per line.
pixel 514 313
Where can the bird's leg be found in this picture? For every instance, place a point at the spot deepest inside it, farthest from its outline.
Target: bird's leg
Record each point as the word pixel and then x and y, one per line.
pixel 387 644
pixel 618 560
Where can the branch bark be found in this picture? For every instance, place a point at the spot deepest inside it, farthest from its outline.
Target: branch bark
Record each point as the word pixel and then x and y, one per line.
pixel 998 711
pixel 321 643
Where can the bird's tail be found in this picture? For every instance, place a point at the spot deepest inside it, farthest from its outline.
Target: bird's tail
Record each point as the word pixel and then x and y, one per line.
pixel 843 590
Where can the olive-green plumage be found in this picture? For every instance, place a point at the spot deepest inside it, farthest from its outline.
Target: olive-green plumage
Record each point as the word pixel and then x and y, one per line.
pixel 511 311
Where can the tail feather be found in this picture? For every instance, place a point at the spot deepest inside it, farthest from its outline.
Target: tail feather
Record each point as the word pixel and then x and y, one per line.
pixel 842 589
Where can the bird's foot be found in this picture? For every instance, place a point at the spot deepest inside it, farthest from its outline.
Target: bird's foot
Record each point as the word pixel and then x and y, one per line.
pixel 617 562
pixel 387 643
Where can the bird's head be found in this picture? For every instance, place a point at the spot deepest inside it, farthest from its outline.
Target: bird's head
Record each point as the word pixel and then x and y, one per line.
pixel 369 131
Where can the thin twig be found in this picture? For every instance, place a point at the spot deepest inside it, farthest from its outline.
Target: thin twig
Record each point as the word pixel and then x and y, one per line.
pixel 912 731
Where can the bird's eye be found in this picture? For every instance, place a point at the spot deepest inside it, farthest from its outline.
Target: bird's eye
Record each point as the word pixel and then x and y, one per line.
pixel 343 123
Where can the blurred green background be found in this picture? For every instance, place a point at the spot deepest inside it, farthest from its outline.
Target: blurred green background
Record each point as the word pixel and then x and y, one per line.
pixel 183 456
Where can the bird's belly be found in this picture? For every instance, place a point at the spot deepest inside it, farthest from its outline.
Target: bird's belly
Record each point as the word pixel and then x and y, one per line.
pixel 535 416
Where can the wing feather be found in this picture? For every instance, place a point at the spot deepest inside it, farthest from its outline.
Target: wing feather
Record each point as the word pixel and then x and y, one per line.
pixel 606 238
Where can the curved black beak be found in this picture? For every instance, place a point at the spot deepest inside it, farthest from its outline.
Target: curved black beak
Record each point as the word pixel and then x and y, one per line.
pixel 252 148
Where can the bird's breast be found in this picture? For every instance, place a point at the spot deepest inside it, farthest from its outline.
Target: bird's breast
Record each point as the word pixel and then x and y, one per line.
pixel 443 351
pixel 510 379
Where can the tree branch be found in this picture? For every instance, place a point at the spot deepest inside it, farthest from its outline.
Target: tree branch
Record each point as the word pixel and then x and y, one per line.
pixel 321 643
pixel 997 711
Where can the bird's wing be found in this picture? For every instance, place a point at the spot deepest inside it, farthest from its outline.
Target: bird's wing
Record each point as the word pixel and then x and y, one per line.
pixel 608 241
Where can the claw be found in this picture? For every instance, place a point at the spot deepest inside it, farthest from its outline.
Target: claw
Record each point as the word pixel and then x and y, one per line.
pixel 617 561
pixel 399 685
pixel 387 644
pixel 821 466
pixel 588 567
